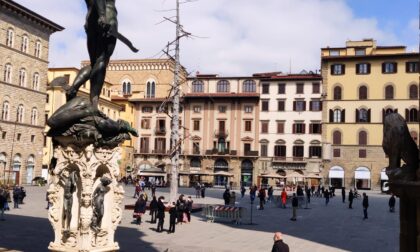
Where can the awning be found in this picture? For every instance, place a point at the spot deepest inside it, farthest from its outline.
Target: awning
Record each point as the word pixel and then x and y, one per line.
pixel 151 174
pixel 361 174
pixel 222 173
pixel 336 174
pixel 273 175
pixel 295 175
pixel 315 176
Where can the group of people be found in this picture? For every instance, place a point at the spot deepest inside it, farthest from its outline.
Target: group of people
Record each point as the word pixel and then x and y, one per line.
pixel 18 195
pixel 229 197
pixel 200 190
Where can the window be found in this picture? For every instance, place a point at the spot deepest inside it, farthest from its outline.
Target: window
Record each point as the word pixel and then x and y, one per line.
pixel 34 116
pixel 411 115
pixel 22 77
pixel 264 106
pixel 160 145
pixel 7 74
pixel 24 45
pixel 363 68
pixel 413 92
pixel 248 109
pixel 196 148
pixel 35 81
pixel 336 152
pixel 389 67
pixel 389 92
pixel 299 105
pixel 315 151
pixel 248 86
pixel 299 128
pixel 299 88
pixel 334 52
pixel 360 51
pixel 20 113
pixel 108 93
pixel 281 88
pixel 126 88
pixel 337 93
pixel 264 150
pixel 144 145
pixel 197 86
pixel 196 125
pixel 18 136
pixel 247 148
pixel 9 37
pixel 338 117
pixel 3 135
pixel 315 105
pixel 298 152
pixel 150 89
pixel 147 109
pixel 363 115
pixel 223 86
pixel 362 137
pixel 363 93
pixel 222 109
pixel 145 123
pixel 362 153
pixel 412 67
pixel 280 151
pixel 280 105
pixel 248 125
pixel 337 69
pixel 315 128
pixel 197 109
pixel 5 111
pixel 265 88
pixel 264 127
pixel 47 98
pixel 195 162
pixel 38 49
pixel 32 138
pixel 280 127
pixel 336 137
pixel 316 88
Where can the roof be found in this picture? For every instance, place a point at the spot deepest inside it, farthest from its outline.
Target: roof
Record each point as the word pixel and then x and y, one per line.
pixel 216 77
pixel 364 57
pixel 36 18
pixel 222 95
pixel 293 77
pixel 151 100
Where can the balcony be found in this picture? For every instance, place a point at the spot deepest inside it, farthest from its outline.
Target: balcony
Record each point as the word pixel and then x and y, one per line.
pixel 289 160
pixel 221 133
pixel 160 131
pixel 158 151
pixel 251 153
pixel 144 150
pixel 217 152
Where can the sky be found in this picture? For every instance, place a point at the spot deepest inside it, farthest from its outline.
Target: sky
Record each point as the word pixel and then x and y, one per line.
pixel 237 37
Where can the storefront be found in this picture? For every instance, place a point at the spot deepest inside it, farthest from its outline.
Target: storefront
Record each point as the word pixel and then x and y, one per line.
pixel 246 172
pixel 295 178
pixel 384 181
pixel 336 176
pixel 154 175
pixel 221 175
pixel 362 178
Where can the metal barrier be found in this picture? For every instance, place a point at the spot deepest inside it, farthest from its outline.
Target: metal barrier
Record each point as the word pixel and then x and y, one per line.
pixel 212 212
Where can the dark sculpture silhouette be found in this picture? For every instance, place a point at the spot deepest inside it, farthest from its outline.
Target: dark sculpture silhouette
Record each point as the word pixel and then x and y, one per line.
pixel 98 200
pixel 69 185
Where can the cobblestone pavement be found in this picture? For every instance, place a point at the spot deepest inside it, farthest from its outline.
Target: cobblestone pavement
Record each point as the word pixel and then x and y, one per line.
pixel 320 228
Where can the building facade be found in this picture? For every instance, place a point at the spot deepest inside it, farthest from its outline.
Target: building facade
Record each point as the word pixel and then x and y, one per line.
pixel 24 47
pixel 364 82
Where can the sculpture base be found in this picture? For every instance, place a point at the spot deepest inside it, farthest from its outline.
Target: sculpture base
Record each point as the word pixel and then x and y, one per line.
pixel 85 198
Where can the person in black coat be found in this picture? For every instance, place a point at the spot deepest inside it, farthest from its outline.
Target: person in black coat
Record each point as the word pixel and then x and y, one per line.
pixel 3 201
pixel 279 245
pixel 351 197
pixel 327 197
pixel 16 195
pixel 261 195
pixel 343 194
pixel 226 197
pixel 189 207
pixel 139 209
pixel 391 203
pixel 160 214
pixel 153 209
pixel 180 207
pixel 172 218
pixel 365 204
pixel 295 205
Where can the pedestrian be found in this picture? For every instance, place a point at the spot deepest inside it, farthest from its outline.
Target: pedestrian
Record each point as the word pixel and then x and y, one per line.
pixel 243 190
pixel 153 186
pixel 22 195
pixel 203 191
pixel 252 192
pixel 283 198
pixel 391 203
pixel 137 190
pixel 139 209
pixel 226 197
pixel 365 204
pixel 16 193
pixel 295 205
pixel 180 207
pixel 261 195
pixel 142 185
pixel 48 202
pixel 172 218
pixel 299 193
pixel 327 196
pixel 189 208
pixel 351 197
pixel 308 196
pixel 160 214
pixel 197 190
pixel 270 194
pixel 343 194
pixel 232 199
pixel 153 209
pixel 279 245
pixel 3 201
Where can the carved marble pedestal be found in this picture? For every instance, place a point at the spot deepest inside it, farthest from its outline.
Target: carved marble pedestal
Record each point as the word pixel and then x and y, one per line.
pixel 75 184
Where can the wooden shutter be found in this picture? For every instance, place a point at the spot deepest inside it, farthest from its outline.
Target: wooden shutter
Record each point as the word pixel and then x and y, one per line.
pixel 294 128
pixel 320 105
pixel 294 106
pixel 368 115
pixel 357 68
pixel 343 68
pixel 304 106
pixel 303 128
pixel 407 115
pixel 383 67
pixel 331 115
pixel 310 105
pixel 357 115
pixel 395 67
pixel 368 68
pixel 332 69
pixel 343 115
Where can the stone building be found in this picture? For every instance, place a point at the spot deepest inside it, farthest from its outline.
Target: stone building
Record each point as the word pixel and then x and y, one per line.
pixel 24 45
pixel 363 82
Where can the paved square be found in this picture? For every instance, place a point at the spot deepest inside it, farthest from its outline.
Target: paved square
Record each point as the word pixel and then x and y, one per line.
pixel 320 228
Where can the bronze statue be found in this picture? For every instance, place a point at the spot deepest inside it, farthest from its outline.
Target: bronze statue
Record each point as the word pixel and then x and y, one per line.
pixel 98 203
pixel 69 185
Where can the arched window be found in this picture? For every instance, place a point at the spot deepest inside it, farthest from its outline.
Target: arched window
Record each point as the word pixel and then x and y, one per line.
pixel 195 162
pixel 337 115
pixel 34 116
pixel 362 137
pixel 17 162
pixel 7 74
pixel 30 165
pixel 35 81
pixel 362 93
pixel 389 111
pixel 3 160
pixel 221 164
pixel 5 111
pixel 414 92
pixel 150 89
pixel 126 88
pixel 38 49
pixel 22 77
pixel 413 115
pixel 10 37
pixel 223 86
pixel 336 137
pixel 197 86
pixel 337 93
pixel 389 92
pixel 363 115
pixel 24 45
pixel 20 113
pixel 249 86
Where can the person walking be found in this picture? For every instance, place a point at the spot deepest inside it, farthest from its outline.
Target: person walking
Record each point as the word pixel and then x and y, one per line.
pixel 137 190
pixel 22 195
pixel 203 191
pixel 3 200
pixel 351 197
pixel 295 205
pixel 308 196
pixel 139 209
pixel 391 203
pixel 232 199
pixel 16 194
pixel 48 202
pixel 279 245
pixel 252 192
pixel 327 196
pixel 243 190
pixel 300 195
pixel 197 190
pixel 172 218
pixel 160 214
pixel 189 207
pixel 153 187
pixel 283 198
pixel 365 204
pixel 226 197
pixel 343 194
pixel 153 209
pixel 180 207
pixel 270 193
pixel 261 195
